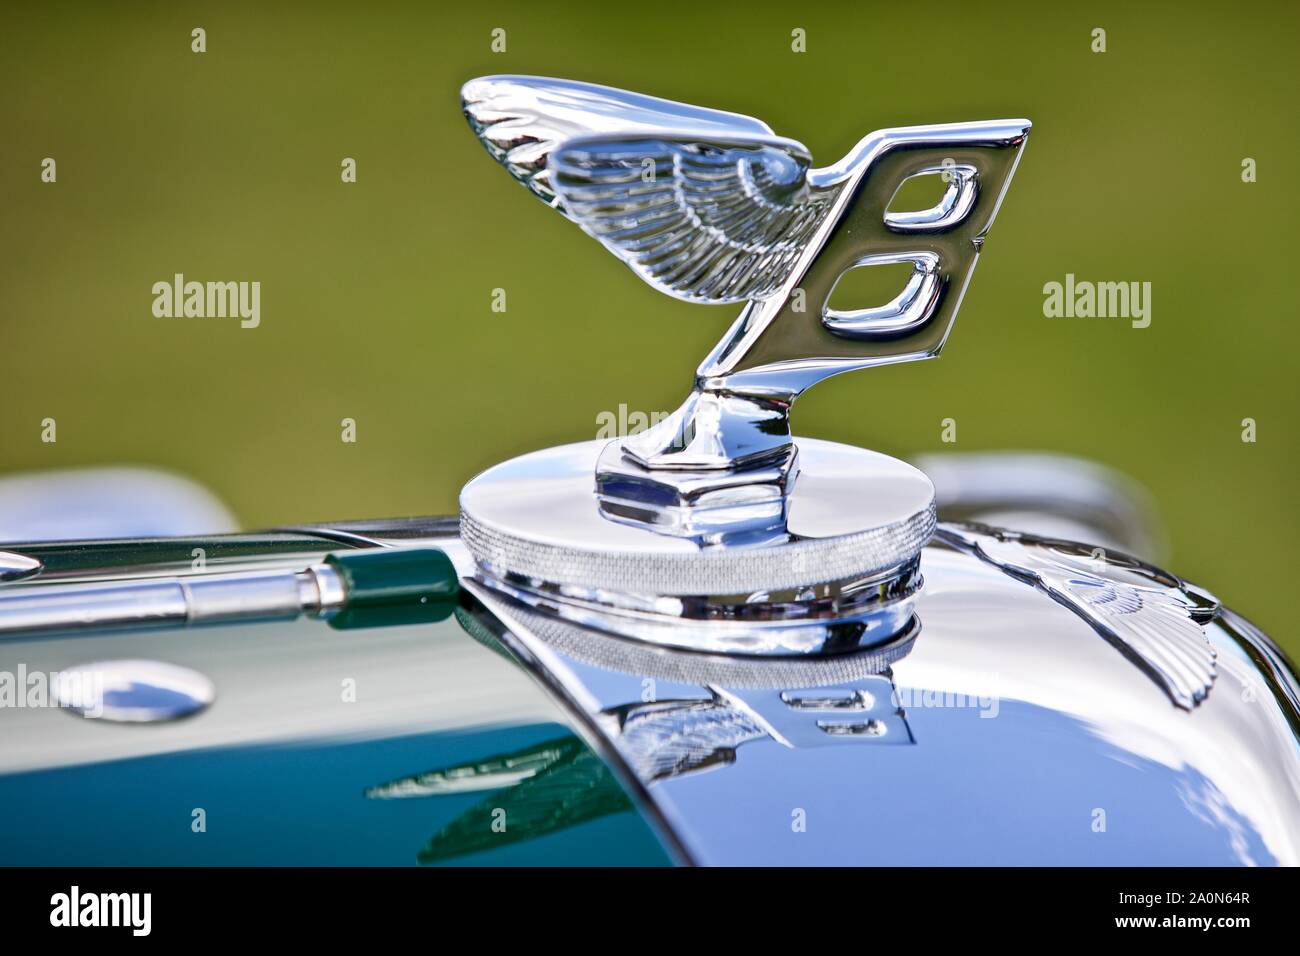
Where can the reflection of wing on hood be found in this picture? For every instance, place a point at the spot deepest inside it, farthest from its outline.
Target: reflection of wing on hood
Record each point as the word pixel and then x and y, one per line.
pixel 674 737
pixel 490 773
pixel 703 205
pixel 1157 624
pixel 561 783
pixel 573 787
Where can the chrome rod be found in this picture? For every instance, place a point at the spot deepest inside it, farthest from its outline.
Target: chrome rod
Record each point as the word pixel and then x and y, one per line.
pixel 174 602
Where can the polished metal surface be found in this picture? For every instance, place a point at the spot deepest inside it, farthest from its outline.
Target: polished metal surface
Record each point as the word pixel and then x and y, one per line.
pixel 830 619
pixel 711 206
pixel 1153 618
pixel 998 728
pixel 194 600
pixel 570 541
pixel 16 567
pixel 1005 731
pixel 722 504
pixel 837 570
pixel 521 120
pixel 133 691
pixel 710 516
pixel 280 686
pixel 284 758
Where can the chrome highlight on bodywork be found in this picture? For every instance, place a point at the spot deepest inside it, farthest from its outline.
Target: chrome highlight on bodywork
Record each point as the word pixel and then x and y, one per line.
pixel 16 567
pixel 1153 618
pixel 990 739
pixel 987 733
pixel 133 691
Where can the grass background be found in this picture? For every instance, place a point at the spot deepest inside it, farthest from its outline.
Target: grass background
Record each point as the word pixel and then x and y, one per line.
pixel 375 295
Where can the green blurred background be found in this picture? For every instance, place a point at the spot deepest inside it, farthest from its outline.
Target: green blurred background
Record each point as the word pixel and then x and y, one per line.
pixel 376 295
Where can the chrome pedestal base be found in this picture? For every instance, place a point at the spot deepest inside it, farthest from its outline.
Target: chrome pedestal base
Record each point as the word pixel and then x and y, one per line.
pixel 832 567
pixel 712 505
pixel 715 430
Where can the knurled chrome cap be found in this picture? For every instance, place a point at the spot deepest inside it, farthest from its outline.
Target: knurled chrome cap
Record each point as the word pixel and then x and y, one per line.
pixel 851 514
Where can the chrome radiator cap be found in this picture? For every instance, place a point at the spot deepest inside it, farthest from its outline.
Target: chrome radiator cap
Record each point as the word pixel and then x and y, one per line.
pixel 835 570
pixel 716 530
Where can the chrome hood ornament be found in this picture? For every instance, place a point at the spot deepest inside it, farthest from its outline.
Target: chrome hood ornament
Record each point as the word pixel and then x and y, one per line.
pixel 716 516
pixel 709 206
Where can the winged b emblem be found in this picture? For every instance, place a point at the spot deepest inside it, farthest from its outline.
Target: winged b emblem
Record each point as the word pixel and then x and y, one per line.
pixel 704 205
pixel 711 206
pixel 1153 618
